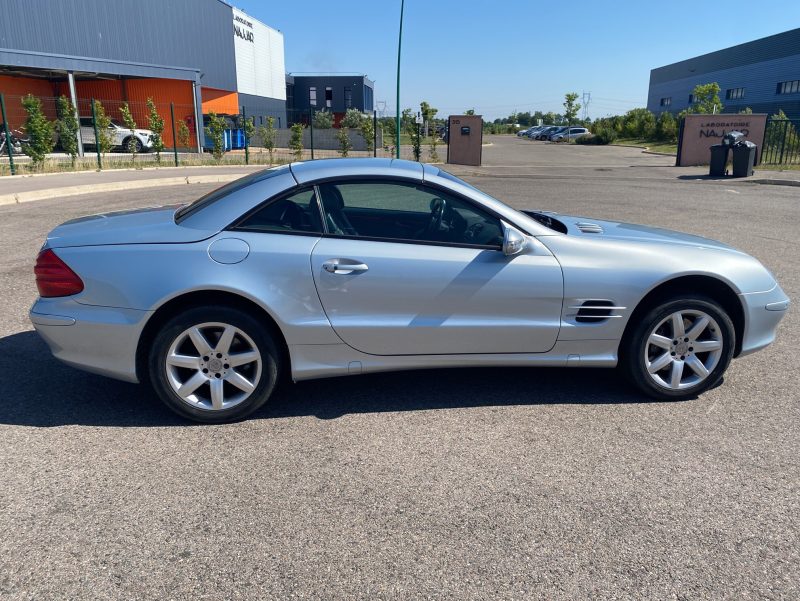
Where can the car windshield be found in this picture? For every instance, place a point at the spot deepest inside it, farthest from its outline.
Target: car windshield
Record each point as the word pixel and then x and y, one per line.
pixel 545 220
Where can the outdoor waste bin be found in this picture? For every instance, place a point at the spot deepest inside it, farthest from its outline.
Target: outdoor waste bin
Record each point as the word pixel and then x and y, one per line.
pixel 719 159
pixel 744 158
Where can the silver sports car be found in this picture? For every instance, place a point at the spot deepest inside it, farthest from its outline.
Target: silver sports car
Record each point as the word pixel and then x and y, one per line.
pixel 351 266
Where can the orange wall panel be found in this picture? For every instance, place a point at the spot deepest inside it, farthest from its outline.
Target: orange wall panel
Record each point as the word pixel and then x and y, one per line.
pixel 14 88
pixel 220 101
pixel 22 86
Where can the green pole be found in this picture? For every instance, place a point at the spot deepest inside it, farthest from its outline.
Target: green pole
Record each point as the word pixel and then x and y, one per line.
pixel 174 132
pixel 246 137
pixel 311 130
pixel 96 137
pixel 399 45
pixel 8 136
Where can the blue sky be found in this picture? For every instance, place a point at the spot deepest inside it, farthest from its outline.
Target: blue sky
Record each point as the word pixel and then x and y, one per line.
pixel 510 55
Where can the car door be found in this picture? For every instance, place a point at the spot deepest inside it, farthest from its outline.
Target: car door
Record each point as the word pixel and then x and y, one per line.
pixel 407 270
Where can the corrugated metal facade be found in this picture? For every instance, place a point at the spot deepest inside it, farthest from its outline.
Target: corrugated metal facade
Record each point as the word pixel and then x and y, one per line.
pixel 756 66
pixel 187 34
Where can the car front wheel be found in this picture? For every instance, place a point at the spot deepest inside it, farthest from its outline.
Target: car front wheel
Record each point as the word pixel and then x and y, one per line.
pixel 680 348
pixel 214 365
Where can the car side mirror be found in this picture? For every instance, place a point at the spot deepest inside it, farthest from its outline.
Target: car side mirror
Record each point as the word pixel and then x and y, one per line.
pixel 514 241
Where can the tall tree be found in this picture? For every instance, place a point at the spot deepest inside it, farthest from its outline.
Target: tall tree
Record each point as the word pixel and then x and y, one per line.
pixel 39 131
pixel 571 107
pixel 67 127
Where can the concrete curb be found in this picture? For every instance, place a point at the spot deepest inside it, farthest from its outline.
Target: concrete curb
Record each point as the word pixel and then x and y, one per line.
pixel 32 195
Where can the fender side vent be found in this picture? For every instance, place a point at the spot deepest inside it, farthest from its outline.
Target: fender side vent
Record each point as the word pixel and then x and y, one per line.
pixel 589 228
pixel 596 311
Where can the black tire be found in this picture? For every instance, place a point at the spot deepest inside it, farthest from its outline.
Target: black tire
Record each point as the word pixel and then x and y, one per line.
pixel 634 346
pixel 260 336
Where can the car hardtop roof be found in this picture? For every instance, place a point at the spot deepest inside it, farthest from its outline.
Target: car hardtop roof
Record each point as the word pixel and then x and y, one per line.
pixel 309 171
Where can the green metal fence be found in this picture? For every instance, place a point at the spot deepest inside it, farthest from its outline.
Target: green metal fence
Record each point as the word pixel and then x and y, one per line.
pixel 781 142
pixel 180 139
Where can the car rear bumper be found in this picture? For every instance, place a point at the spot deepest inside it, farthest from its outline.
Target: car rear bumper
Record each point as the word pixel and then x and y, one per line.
pixel 763 313
pixel 101 340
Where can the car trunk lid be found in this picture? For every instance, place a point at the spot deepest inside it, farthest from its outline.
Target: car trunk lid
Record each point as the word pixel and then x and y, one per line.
pixel 152 225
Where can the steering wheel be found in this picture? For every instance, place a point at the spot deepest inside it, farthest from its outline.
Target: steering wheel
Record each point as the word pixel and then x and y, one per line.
pixel 438 210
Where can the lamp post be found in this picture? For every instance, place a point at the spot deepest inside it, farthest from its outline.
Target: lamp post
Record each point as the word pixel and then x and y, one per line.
pixel 399 46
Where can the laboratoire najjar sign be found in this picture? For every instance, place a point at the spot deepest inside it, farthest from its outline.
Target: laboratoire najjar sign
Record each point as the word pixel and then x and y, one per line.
pixel 701 132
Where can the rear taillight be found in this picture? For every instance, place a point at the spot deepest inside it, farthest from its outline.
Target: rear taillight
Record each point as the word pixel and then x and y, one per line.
pixel 54 277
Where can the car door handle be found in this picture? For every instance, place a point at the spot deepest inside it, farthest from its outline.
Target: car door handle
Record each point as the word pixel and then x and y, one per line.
pixel 343 266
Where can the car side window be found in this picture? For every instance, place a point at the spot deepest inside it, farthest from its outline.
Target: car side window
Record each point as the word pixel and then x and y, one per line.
pixel 297 212
pixel 406 212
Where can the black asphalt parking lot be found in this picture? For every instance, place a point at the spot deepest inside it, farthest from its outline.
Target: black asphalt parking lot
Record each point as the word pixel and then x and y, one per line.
pixel 447 484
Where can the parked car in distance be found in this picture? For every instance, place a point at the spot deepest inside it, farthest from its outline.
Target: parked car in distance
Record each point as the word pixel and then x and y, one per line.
pixel 574 132
pixel 533 131
pixel 341 267
pixel 120 136
pixel 545 132
pixel 553 132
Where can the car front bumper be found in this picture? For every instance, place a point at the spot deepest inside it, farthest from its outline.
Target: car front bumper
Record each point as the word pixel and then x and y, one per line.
pixel 763 313
pixel 101 340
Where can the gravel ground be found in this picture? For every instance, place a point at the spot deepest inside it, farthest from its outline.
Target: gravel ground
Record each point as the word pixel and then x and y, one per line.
pixel 480 484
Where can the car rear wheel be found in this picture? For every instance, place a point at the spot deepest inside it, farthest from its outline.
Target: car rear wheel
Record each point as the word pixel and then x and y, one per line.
pixel 214 365
pixel 137 144
pixel 680 348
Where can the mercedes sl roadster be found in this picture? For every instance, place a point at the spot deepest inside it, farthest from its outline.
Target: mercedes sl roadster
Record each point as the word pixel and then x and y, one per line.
pixel 352 266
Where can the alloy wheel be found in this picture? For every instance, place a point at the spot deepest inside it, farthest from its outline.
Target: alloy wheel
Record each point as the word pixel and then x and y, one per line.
pixel 683 349
pixel 213 366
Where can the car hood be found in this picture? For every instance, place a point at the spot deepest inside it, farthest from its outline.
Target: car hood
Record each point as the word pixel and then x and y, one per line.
pixel 152 225
pixel 619 231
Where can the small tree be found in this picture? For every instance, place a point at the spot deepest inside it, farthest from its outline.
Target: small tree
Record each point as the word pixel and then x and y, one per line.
pixel 39 131
pixel 183 134
pixel 352 119
pixel 367 131
pixel 428 115
pixel 571 108
pixel 469 112
pixel 127 119
pixel 416 139
pixel 216 131
pixel 155 124
pixel 323 119
pixel 296 141
pixel 389 134
pixel 267 134
pixel 67 127
pixel 746 111
pixel 248 127
pixel 706 99
pixel 105 141
pixel 343 137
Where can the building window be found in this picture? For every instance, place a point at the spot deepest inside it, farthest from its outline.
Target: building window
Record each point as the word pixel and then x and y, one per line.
pixel 734 93
pixel 788 87
pixel 666 101
pixel 691 98
pixel 348 98
pixel 312 96
pixel 329 97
